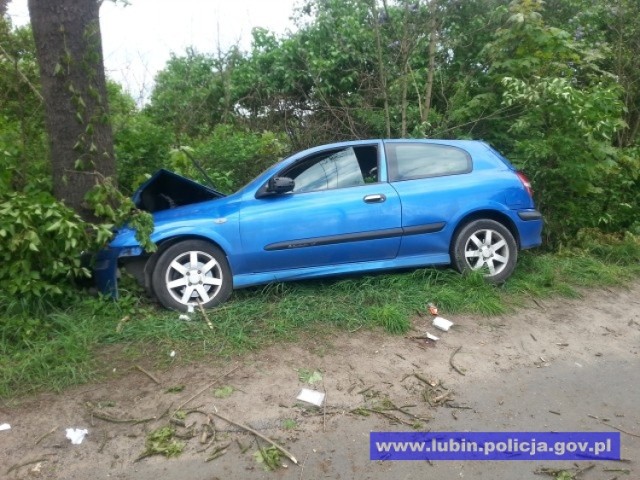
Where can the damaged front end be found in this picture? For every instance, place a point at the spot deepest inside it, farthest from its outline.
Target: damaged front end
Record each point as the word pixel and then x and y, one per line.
pixel 164 191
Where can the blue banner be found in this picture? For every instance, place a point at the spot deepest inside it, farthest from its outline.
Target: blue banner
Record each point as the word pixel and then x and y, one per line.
pixel 495 445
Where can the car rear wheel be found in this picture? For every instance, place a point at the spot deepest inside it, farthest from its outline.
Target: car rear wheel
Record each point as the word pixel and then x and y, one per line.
pixel 192 272
pixel 486 246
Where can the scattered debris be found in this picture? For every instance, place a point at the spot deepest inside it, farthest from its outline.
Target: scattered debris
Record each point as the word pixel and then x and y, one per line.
pixel 5 426
pixel 217 452
pixel 161 442
pixel 46 435
pixel 200 392
pixel 109 418
pixel 148 374
pixel 24 464
pixel 433 310
pixel 184 318
pixel 365 390
pixel 385 406
pixel 563 473
pixel 554 412
pixel 289 424
pixel 76 435
pixel 604 422
pixel 269 457
pixel 204 314
pixel 432 337
pixel 311 396
pixel 453 365
pixel 431 383
pixel 176 389
pixel 266 439
pixel 223 392
pixel 308 376
pixel 121 323
pixel 442 323
pixel 534 338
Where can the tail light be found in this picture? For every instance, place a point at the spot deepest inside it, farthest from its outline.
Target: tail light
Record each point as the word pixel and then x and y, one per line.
pixel 525 183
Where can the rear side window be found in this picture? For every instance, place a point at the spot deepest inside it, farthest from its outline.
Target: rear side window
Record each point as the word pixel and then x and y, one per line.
pixel 408 161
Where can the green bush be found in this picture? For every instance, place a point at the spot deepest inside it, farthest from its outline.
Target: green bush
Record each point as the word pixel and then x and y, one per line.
pixel 40 248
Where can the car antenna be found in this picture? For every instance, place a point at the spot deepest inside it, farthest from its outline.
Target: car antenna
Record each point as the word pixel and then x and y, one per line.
pixel 198 166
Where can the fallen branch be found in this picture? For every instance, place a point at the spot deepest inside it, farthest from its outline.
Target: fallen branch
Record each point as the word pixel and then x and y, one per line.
pixel 208 387
pixel 217 452
pixel 204 314
pixel 24 464
pixel 121 323
pixel 442 398
pixel 46 435
pixel 105 439
pixel 619 429
pixel 258 434
pixel 431 383
pixel 364 411
pixel 453 365
pixel 109 418
pixel 148 374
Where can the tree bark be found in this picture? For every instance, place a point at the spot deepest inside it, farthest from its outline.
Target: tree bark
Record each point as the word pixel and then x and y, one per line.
pixel 3 7
pixel 382 72
pixel 432 61
pixel 69 51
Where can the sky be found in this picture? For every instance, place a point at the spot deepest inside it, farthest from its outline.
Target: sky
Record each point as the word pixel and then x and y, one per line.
pixel 138 39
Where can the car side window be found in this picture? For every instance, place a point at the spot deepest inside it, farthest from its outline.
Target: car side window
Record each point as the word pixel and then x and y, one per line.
pixel 408 161
pixel 347 167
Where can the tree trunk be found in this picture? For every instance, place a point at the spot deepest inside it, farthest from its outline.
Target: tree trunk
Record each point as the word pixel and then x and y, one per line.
pixel 3 7
pixel 432 61
pixel 382 72
pixel 69 50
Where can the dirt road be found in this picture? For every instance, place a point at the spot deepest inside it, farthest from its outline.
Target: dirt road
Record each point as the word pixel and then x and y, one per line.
pixel 563 365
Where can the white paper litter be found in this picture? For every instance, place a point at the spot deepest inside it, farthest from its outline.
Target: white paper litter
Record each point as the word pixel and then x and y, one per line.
pixel 432 337
pixel 5 426
pixel 311 396
pixel 184 318
pixel 76 435
pixel 442 323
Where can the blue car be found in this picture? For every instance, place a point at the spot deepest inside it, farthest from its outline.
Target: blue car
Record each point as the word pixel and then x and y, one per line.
pixel 351 207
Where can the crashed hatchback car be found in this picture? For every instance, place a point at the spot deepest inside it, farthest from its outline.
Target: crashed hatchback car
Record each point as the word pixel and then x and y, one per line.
pixel 344 208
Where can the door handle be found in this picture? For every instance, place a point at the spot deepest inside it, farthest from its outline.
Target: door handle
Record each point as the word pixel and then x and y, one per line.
pixel 375 198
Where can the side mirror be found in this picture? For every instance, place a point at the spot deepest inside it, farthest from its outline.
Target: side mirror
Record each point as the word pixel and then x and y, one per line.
pixel 280 185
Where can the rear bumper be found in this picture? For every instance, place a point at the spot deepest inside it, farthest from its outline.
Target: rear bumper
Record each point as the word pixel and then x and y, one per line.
pixel 528 215
pixel 530 223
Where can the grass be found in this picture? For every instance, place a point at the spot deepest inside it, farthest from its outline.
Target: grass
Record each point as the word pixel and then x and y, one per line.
pixel 52 350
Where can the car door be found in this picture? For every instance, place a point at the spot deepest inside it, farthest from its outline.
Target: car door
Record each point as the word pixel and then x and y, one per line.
pixel 338 212
pixel 434 182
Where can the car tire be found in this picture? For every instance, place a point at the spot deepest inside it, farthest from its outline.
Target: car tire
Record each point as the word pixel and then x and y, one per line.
pixel 192 272
pixel 488 246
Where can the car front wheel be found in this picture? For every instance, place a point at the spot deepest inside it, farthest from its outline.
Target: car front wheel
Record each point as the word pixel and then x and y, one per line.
pixel 487 246
pixel 192 272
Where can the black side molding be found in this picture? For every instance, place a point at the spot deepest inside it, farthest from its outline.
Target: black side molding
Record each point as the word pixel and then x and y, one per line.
pixel 530 215
pixel 355 237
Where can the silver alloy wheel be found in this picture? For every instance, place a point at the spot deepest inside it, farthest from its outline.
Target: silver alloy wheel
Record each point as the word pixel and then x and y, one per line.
pixel 193 276
pixel 487 248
